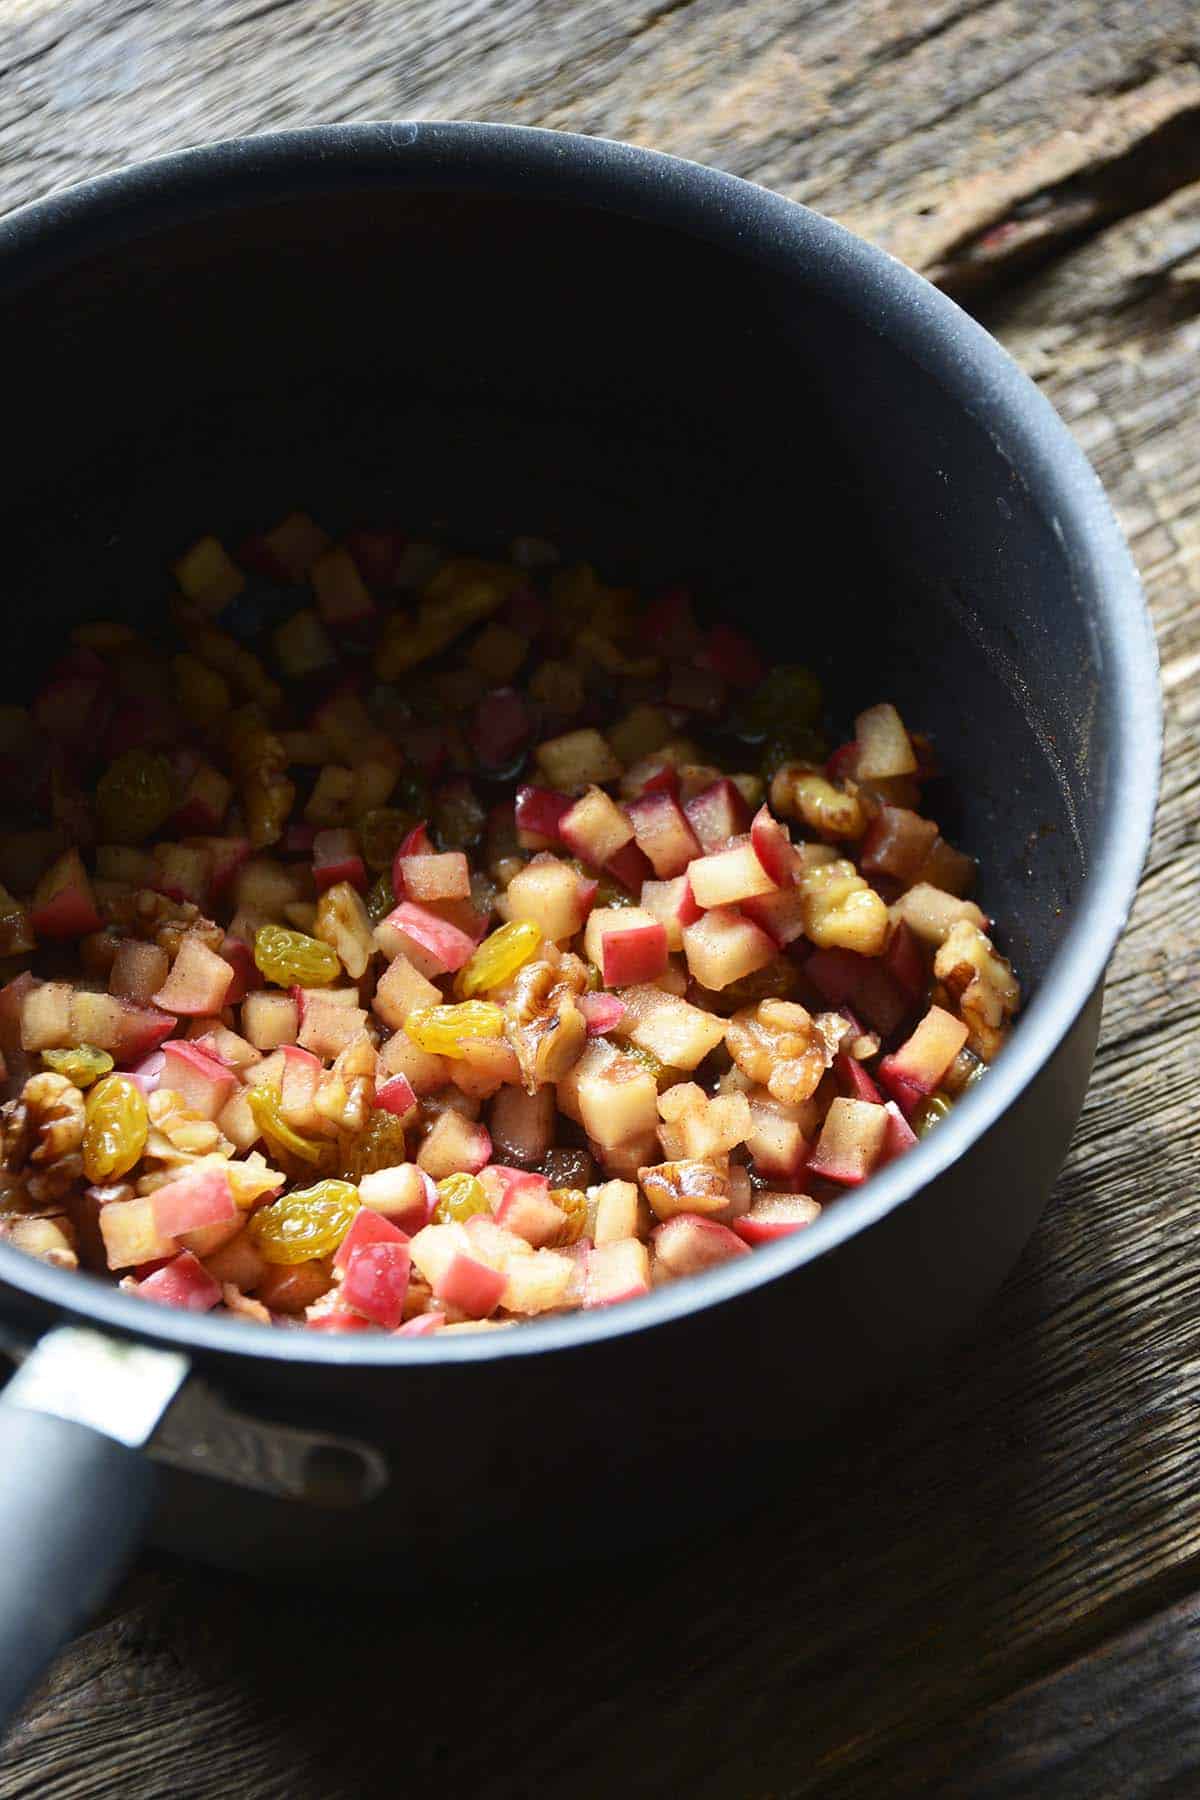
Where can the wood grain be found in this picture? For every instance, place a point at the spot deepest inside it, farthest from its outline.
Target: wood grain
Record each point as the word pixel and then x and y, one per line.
pixel 1036 1491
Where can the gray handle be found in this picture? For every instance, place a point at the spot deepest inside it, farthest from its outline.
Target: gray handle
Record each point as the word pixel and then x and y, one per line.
pixel 72 1507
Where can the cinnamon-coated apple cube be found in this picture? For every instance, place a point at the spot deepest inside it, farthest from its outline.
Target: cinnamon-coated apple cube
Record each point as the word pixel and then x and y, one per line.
pixel 537 1283
pixel 884 746
pixel 679 1034
pixel 402 989
pixel 329 1027
pixel 617 1209
pixel 454 1146
pixel 198 982
pixel 425 1071
pixel 64 905
pixel 717 813
pixel 138 970
pixel 45 1012
pixel 723 946
pixel 616 1271
pixel 689 1244
pixel 923 1058
pixel 932 915
pixel 404 1194
pixel 131 1235
pixel 552 895
pixel 673 904
pixel 202 1083
pixel 618 1102
pixel 851 1141
pixel 432 945
pixel 626 944
pixel 576 759
pixel 269 1020
pixel 663 833
pixel 727 876
pixel 595 828
pixel 442 876
pixel 774 1216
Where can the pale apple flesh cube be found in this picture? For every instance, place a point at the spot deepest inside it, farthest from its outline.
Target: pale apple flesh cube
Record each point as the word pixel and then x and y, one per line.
pixel 723 947
pixel 425 1071
pixel 401 990
pixel 46 1017
pixel 727 876
pixel 454 1146
pixel 596 1055
pixel 688 1244
pixel 851 1141
pixel 595 828
pixel 403 1194
pixel 329 1028
pixel 616 1271
pixel 932 915
pixel 679 1034
pixel 884 746
pixel 619 1102
pixel 537 1283
pixel 130 1234
pixel 550 894
pixel 616 1207
pixel 138 970
pixel 236 1122
pixel 198 981
pixel 269 1020
pixel 576 759
pixel 923 1058
pixel 202 1083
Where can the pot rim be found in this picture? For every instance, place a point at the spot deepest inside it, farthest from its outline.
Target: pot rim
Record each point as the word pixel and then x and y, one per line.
pixel 50 234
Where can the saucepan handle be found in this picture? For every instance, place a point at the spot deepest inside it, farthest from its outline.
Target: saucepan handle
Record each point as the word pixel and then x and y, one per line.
pixel 74 1495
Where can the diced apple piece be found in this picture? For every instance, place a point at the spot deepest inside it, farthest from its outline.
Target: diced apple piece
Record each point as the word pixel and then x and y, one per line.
pixel 131 1235
pixel 781 914
pixel 626 944
pixel 198 982
pixel 773 848
pixel 618 1204
pixel 402 989
pixel 774 1216
pixel 932 915
pixel 673 904
pixel 900 1134
pixel 723 946
pixel 432 945
pixel 727 876
pixel 483 1065
pixel 884 747
pixel 717 814
pixel 202 1083
pixel 616 1271
pixel 199 1198
pixel 342 921
pixel 425 1071
pixel 444 876
pixel 538 1283
pixel 538 813
pixel 552 895
pixel 205 802
pixel 777 1141
pixel 595 828
pixel 209 576
pixel 269 1020
pixel 897 844
pixel 404 1194
pixel 689 1244
pixel 851 1141
pixel 440 1252
pixel 576 760
pixel 181 872
pixel 126 1031
pixel 602 1012
pixel 341 593
pixel 337 859
pixel 329 1028
pixel 396 1096
pixel 526 1209
pixel 184 1282
pixel 454 1146
pixel 951 870
pixel 63 903
pixel 679 1034
pixel 617 1098
pixel 138 970
pixel 302 1072
pixel 45 1012
pixel 923 1058
pixel 864 983
pixel 376 1282
pixel 663 833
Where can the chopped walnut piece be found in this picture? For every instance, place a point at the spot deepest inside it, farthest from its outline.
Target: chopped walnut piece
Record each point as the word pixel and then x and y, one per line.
pixel 543 1024
pixel 779 1046
pixel 982 981
pixel 801 791
pixel 688 1185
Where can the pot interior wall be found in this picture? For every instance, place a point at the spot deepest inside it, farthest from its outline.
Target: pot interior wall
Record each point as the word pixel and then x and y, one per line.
pixel 494 365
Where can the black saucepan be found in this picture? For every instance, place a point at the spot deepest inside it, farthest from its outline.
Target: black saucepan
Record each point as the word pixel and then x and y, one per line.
pixel 509 330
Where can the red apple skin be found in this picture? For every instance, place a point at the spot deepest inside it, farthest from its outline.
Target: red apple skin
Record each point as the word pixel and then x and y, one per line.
pixel 63 905
pixel 245 974
pixel 203 1198
pixel 422 1326
pixel 843 977
pixel 904 960
pixel 376 1282
pixel 336 858
pixel 501 728
pixel 440 948
pixel 539 812
pixel 717 814
pixel 366 1227
pixel 774 1216
pixel 222 1078
pixel 337 1318
pixel 900 1134
pixel 639 954
pixel 773 848
pixel 688 1244
pixel 143 1029
pixel 630 867
pixel 183 1282
pixel 854 1079
pixel 663 833
pixel 471 1286
pixel 603 1012
pixel 396 1096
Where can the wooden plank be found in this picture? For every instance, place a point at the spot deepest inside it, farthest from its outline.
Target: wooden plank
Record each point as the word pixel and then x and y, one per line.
pixel 1036 1490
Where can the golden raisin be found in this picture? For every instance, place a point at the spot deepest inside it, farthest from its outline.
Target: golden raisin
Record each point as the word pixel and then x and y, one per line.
pixel 498 957
pixel 307 1223
pixel 268 1116
pixel 134 796
pixel 116 1128
pixel 459 1197
pixel 439 1029
pixel 379 1145
pixel 289 958
pixel 83 1065
pixel 574 1203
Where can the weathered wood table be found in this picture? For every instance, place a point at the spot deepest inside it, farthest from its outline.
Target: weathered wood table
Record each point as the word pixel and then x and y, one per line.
pixel 990 1589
